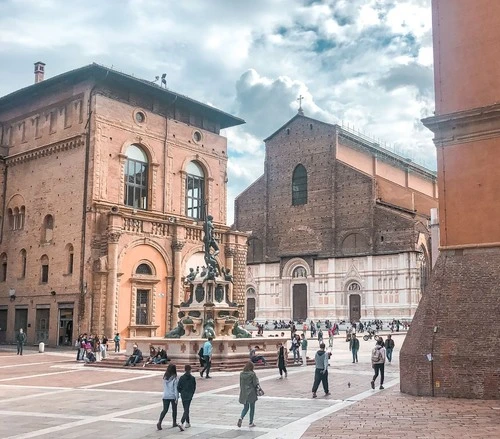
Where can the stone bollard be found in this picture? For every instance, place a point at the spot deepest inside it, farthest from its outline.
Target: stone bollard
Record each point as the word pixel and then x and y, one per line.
pixel 41 347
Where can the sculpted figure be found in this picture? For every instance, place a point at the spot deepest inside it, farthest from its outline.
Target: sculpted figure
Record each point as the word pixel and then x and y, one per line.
pixel 209 329
pixel 177 332
pixel 240 332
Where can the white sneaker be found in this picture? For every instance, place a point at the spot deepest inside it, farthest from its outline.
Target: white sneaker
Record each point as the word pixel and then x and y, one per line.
pixel 187 425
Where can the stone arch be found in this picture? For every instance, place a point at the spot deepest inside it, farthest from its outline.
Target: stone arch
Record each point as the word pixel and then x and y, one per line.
pixel 17 200
pixel 146 241
pixel 144 145
pixel 146 262
pixel 292 264
pixel 355 243
pixel 201 161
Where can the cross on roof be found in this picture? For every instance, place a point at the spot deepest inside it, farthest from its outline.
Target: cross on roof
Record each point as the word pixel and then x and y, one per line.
pixel 299 99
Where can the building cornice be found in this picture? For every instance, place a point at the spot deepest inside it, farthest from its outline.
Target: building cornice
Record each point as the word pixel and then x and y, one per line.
pixel 45 150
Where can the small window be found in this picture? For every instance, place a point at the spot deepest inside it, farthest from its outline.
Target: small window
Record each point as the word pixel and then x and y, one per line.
pixel 48 228
pixel 70 255
pixel 140 117
pixel 142 307
pixel 10 214
pixel 197 136
pixel 3 267
pixel 144 269
pixel 44 260
pixel 22 214
pixel 23 263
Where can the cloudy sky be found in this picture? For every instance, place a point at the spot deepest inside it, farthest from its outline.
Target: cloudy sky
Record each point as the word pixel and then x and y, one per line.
pixel 366 63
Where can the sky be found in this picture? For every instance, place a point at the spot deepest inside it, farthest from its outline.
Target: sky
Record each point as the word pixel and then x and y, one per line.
pixel 362 63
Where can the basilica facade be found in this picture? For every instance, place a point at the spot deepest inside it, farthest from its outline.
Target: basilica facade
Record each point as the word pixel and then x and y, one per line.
pixel 339 227
pixel 105 182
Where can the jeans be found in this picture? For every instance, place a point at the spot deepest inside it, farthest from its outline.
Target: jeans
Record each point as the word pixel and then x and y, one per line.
pixel 133 359
pixel 166 404
pixel 258 358
pixel 354 355
pixel 295 355
pixel 388 353
pixel 19 349
pixel 320 377
pixel 330 341
pixel 251 406
pixel 379 368
pixel 185 416
pixel 208 365
pixel 117 346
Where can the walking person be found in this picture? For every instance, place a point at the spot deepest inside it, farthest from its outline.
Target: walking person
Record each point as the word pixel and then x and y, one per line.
pixel 331 333
pixel 320 336
pixel 296 349
pixel 170 396
pixel 282 356
pixel 249 383
pixel 116 339
pixel 207 357
pixel 303 349
pixel 354 348
pixel 186 388
pixel 378 362
pixel 321 371
pixel 389 347
pixel 20 340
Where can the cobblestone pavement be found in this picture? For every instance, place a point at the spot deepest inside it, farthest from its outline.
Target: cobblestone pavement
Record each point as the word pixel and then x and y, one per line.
pixel 50 396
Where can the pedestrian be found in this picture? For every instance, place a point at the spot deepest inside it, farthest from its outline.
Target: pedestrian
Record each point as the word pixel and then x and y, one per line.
pixel 331 332
pixel 249 384
pixel 303 346
pixel 321 371
pixel 320 336
pixel 116 339
pixel 254 358
pixel 295 349
pixel 21 340
pixel 389 347
pixel 378 362
pixel 170 396
pixel 281 363
pixel 354 348
pixel 186 388
pixel 207 358
pixel 104 346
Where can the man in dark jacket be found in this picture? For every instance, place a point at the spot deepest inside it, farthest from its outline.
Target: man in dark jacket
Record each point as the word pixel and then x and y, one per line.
pixel 389 347
pixel 354 348
pixel 21 340
pixel 186 388
pixel 321 371
pixel 135 358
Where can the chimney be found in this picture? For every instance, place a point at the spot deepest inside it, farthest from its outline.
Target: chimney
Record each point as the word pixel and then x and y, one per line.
pixel 39 71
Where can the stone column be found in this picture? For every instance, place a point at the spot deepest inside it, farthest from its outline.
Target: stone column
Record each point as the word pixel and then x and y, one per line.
pixel 177 247
pixel 230 252
pixel 113 236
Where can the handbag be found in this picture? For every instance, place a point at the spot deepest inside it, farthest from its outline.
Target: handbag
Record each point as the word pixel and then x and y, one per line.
pixel 260 392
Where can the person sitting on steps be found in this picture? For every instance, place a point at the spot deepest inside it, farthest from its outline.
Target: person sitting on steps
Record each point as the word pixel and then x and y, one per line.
pixel 135 358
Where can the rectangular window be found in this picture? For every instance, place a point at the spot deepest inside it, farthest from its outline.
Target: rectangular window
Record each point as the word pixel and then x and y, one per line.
pixel 195 196
pixel 45 274
pixel 70 264
pixel 142 307
pixel 3 272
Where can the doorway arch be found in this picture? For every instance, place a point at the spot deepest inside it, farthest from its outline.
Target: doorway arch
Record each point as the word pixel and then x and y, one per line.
pixel 354 289
pixel 299 311
pixel 251 304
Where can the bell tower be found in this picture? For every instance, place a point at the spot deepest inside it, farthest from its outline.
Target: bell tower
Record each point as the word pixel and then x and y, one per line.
pixel 453 346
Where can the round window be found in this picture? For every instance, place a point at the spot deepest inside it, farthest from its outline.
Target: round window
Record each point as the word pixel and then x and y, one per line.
pixel 197 136
pixel 140 117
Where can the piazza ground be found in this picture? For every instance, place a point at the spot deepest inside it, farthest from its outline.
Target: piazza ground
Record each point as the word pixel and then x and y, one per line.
pixel 51 396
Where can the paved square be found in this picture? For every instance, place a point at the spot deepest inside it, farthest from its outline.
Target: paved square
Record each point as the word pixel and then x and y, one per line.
pixel 50 396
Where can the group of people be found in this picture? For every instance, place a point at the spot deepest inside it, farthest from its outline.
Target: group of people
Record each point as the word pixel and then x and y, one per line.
pixel 91 347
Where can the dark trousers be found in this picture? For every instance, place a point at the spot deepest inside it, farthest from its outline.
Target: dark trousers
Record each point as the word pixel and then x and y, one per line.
pixel 258 358
pixel 354 355
pixel 388 352
pixel 19 349
pixel 166 405
pixel 208 365
pixel 282 367
pixel 185 416
pixel 133 359
pixel 379 367
pixel 320 377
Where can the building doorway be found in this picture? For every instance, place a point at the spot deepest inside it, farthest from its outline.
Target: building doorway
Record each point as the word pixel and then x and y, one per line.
pixel 42 325
pixel 3 325
pixel 20 321
pixel 65 335
pixel 354 307
pixel 299 302
pixel 251 309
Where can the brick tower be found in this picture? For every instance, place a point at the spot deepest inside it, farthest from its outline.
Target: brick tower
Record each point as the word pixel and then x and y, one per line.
pixel 457 319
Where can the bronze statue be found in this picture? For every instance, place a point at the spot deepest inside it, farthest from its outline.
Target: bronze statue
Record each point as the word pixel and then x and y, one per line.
pixel 209 329
pixel 240 332
pixel 177 332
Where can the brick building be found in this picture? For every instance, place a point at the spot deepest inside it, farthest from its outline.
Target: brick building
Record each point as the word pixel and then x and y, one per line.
pixel 339 227
pixel 103 181
pixel 457 321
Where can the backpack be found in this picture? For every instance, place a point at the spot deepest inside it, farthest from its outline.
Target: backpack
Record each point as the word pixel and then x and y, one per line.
pixel 200 352
pixel 376 355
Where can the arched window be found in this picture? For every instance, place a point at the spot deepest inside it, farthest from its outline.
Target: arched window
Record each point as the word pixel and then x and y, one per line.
pixel 3 267
pixel 70 258
pixel 354 244
pixel 24 258
pixel 10 214
pixel 299 272
pixel 48 228
pixel 144 269
pixel 195 191
pixel 424 270
pixel 44 261
pixel 22 215
pixel 136 178
pixel 299 186
pixel 16 218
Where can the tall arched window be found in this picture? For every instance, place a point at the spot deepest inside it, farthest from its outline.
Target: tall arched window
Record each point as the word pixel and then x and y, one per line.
pixel 16 218
pixel 44 261
pixel 195 191
pixel 24 258
pixel 70 257
pixel 136 178
pixel 299 186
pixel 48 228
pixel 22 214
pixel 144 269
pixel 3 267
pixel 10 214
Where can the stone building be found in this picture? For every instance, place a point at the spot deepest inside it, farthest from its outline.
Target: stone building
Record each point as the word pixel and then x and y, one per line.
pixel 339 227
pixel 104 181
pixel 456 324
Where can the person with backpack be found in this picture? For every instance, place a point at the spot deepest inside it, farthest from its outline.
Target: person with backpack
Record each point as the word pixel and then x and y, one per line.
pixel 170 396
pixel 207 357
pixel 321 371
pixel 186 388
pixel 389 347
pixel 378 362
pixel 354 348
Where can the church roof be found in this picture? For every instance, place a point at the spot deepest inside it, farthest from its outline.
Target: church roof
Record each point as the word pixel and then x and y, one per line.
pixel 102 73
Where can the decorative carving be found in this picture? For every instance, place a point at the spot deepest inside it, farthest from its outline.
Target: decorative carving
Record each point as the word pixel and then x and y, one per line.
pixel 176 332
pixel 209 329
pixel 113 236
pixel 219 293
pixel 199 293
pixel 230 252
pixel 240 332
pixel 178 245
